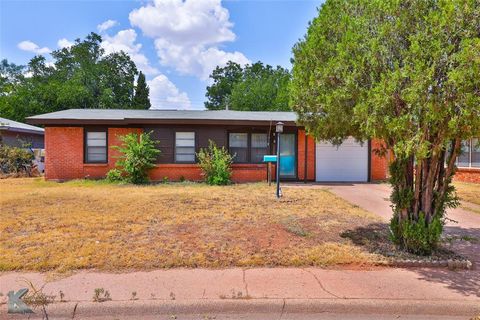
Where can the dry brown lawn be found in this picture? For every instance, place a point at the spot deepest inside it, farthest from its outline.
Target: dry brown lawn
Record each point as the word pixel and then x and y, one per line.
pixel 469 192
pixel 88 224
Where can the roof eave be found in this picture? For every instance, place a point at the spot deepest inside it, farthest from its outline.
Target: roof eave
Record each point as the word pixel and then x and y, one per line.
pixel 125 122
pixel 10 129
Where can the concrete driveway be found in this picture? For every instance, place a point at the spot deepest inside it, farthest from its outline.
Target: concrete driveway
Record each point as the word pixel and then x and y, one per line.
pixel 374 197
pixel 464 228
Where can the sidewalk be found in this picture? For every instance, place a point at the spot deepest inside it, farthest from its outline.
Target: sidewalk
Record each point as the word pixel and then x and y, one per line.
pixel 280 290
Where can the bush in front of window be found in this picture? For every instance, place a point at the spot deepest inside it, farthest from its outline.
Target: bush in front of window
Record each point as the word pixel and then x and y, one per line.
pixel 138 156
pixel 15 161
pixel 216 164
pixel 115 175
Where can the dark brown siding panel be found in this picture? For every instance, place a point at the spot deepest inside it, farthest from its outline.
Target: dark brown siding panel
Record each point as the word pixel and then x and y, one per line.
pixel 217 135
pixel 166 140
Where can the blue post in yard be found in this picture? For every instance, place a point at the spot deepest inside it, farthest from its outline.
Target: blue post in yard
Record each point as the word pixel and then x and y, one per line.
pixel 278 130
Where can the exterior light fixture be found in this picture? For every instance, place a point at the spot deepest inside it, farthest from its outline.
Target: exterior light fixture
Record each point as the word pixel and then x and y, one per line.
pixel 279 127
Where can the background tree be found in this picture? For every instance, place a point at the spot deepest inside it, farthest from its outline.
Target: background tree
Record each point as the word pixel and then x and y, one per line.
pixel 141 99
pixel 10 75
pixel 81 76
pixel 255 87
pixel 219 92
pixel 405 72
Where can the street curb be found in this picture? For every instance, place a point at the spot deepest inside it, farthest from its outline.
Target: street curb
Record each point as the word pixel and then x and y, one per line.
pixel 281 306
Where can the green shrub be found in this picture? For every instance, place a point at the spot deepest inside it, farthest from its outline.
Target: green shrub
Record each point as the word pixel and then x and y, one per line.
pixel 15 161
pixel 139 154
pixel 215 164
pixel 418 237
pixel 115 175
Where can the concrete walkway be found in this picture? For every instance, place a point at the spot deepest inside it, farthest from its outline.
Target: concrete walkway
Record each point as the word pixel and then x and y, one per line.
pixel 385 291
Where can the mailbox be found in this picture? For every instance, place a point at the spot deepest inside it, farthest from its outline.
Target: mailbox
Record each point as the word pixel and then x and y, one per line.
pixel 270 158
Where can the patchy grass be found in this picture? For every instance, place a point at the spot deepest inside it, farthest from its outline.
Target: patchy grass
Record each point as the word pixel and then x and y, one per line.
pixel 91 224
pixel 469 192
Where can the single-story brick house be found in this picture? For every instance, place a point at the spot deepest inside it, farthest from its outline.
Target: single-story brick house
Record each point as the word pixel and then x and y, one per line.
pixel 79 141
pixel 17 134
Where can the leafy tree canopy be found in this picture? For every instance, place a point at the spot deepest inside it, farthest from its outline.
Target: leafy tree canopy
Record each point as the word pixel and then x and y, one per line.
pixel 80 76
pixel 406 72
pixel 255 87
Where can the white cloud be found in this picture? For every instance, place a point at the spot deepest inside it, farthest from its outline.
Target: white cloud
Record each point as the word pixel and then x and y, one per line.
pixel 165 95
pixel 125 40
pixel 196 60
pixel 104 26
pixel 188 34
pixel 188 22
pixel 64 43
pixel 30 46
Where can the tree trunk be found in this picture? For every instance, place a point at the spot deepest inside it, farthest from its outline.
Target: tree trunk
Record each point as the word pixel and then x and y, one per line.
pixel 422 188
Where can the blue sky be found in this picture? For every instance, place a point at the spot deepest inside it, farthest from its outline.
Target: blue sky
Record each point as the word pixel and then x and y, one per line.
pixel 176 43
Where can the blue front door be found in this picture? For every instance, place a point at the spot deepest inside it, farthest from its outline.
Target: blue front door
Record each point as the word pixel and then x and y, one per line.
pixel 288 155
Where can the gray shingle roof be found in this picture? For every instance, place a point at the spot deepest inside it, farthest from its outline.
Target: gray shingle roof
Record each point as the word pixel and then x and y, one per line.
pixel 112 115
pixel 10 125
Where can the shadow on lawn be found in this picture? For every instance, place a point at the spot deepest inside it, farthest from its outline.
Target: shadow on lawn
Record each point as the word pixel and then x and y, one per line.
pixel 457 241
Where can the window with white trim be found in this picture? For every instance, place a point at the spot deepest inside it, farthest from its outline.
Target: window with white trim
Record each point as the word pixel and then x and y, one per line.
pixel 238 147
pixel 96 147
pixel 185 147
pixel 470 154
pixel 259 147
pixel 475 153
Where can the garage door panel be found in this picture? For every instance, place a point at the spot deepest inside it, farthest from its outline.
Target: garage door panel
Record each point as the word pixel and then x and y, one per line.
pixel 347 162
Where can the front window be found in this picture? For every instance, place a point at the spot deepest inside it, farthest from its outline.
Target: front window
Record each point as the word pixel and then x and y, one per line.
pixel 470 154
pixel 259 147
pixel 185 147
pixel 476 153
pixel 238 146
pixel 463 160
pixel 96 147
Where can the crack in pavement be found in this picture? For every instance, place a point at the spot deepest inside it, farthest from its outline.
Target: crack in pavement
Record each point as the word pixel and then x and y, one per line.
pixel 321 285
pixel 283 309
pixel 245 283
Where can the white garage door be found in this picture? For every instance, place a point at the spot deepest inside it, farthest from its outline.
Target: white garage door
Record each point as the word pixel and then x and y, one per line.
pixel 347 162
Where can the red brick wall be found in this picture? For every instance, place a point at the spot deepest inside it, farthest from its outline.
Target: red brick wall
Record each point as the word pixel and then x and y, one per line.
pixel 175 171
pixel 192 172
pixel 310 153
pixel 250 172
pixel 378 165
pixel 63 153
pixel 468 175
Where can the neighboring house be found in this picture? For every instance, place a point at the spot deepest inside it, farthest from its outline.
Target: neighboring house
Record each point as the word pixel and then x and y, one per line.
pixel 468 162
pixel 17 134
pixel 79 141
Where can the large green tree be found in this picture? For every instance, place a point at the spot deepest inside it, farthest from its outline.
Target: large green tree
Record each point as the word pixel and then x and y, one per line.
pixel 224 78
pixel 141 99
pixel 406 72
pixel 255 87
pixel 80 76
